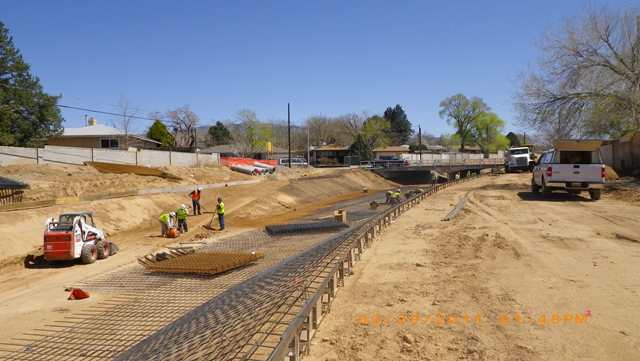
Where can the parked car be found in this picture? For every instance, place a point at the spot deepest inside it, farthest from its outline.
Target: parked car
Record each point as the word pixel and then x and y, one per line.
pixel 572 166
pixel 295 162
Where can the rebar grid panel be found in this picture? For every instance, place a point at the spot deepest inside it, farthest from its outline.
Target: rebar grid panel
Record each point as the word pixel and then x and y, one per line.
pixel 221 327
pixel 204 262
pixel 142 302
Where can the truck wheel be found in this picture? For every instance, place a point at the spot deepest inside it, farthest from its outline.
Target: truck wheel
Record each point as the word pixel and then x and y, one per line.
pixel 113 248
pixel 595 194
pixel 89 253
pixel 534 187
pixel 103 248
pixel 545 189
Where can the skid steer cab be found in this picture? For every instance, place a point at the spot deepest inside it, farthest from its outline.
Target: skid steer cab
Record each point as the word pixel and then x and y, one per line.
pixel 75 236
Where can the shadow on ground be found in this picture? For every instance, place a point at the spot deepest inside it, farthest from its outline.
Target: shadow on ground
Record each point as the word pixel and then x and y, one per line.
pixel 552 197
pixel 38 261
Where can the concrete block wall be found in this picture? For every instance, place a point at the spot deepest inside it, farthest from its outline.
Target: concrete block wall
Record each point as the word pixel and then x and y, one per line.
pixel 73 155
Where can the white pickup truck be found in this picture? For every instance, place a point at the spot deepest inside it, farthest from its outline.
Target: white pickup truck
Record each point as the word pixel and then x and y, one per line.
pixel 572 166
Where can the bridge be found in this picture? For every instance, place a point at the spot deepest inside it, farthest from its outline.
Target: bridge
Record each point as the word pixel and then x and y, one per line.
pixel 430 171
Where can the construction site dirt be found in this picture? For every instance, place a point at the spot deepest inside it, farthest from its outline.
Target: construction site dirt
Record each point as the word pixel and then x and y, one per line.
pixel 34 298
pixel 515 276
pixel 508 258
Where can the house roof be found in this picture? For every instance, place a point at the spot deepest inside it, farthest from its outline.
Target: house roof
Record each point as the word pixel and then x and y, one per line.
pixel 330 147
pixel 100 130
pixel 91 130
pixel 629 136
pixel 393 148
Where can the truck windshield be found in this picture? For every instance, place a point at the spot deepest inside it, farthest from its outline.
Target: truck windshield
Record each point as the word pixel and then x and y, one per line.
pixel 519 151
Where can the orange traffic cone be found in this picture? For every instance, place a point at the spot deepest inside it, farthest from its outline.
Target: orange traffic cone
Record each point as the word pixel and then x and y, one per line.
pixel 78 294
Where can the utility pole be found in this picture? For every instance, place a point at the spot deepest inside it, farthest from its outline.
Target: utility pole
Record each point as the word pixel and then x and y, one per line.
pixel 308 147
pixel 289 132
pixel 420 142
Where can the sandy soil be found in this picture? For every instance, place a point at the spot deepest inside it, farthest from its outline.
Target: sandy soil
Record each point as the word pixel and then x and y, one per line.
pixel 30 297
pixel 537 278
pixel 51 181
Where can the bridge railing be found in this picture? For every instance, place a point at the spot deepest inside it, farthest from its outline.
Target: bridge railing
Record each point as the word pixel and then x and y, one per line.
pixel 451 162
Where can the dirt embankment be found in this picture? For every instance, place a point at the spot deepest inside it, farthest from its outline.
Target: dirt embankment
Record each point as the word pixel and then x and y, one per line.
pixel 276 198
pixel 515 276
pixel 50 181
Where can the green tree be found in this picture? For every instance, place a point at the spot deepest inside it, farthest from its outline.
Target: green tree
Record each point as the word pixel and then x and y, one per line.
pixel 486 132
pixel 374 134
pixel 158 131
pixel 361 147
pixel 28 116
pixel 219 134
pixel 514 140
pixel 399 125
pixel 462 112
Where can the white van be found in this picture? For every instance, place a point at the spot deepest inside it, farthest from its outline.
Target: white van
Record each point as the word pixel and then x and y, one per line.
pixel 295 162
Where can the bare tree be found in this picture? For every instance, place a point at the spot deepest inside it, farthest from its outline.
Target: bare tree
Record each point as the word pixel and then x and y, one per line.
pixel 124 123
pixel 182 122
pixel 588 81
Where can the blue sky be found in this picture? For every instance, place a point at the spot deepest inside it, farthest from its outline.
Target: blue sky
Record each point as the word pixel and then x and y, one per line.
pixel 325 57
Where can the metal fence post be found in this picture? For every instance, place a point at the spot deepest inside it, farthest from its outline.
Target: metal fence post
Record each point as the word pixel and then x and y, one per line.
pixel 37 156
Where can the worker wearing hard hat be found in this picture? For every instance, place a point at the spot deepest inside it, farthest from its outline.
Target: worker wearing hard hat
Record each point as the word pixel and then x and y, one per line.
pixel 220 212
pixel 166 222
pixel 195 200
pixel 181 215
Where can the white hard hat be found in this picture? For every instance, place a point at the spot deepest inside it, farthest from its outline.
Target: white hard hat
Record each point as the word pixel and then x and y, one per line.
pixel 199 188
pixel 183 206
pixel 172 214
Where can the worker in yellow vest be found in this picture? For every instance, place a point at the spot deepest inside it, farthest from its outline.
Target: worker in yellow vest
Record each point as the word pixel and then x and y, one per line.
pixel 181 215
pixel 166 222
pixel 220 212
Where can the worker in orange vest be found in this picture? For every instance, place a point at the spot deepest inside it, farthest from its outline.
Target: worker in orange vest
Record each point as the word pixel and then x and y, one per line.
pixel 195 200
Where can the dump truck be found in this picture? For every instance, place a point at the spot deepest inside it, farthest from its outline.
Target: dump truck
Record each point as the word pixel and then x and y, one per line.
pixel 519 158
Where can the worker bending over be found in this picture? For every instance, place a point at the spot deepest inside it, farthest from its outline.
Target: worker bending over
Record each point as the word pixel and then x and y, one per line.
pixel 220 211
pixel 181 215
pixel 195 200
pixel 166 222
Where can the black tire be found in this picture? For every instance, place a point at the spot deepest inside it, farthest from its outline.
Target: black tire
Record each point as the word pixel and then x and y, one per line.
pixel 534 187
pixel 103 248
pixel 545 189
pixel 113 248
pixel 595 194
pixel 89 253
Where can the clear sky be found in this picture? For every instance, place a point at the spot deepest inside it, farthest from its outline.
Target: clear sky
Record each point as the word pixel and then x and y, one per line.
pixel 325 57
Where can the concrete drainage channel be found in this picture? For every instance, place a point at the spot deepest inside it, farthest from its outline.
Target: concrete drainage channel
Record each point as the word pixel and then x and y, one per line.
pixel 274 315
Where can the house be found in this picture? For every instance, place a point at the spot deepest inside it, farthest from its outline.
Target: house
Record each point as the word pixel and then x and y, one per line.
pixel 393 152
pixel 623 154
pixel 237 150
pixel 472 149
pixel 330 155
pixel 97 135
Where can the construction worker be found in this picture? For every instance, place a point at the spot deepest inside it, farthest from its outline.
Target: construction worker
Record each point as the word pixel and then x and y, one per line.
pixel 389 197
pixel 181 216
pixel 166 222
pixel 195 200
pixel 220 212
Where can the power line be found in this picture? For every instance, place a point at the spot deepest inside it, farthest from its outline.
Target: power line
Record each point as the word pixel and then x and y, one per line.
pixel 103 112
pixel 86 109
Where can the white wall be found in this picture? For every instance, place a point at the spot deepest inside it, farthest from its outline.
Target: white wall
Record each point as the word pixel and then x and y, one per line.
pixel 74 155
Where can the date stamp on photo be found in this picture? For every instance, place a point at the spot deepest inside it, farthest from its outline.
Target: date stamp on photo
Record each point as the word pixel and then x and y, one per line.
pixel 476 319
